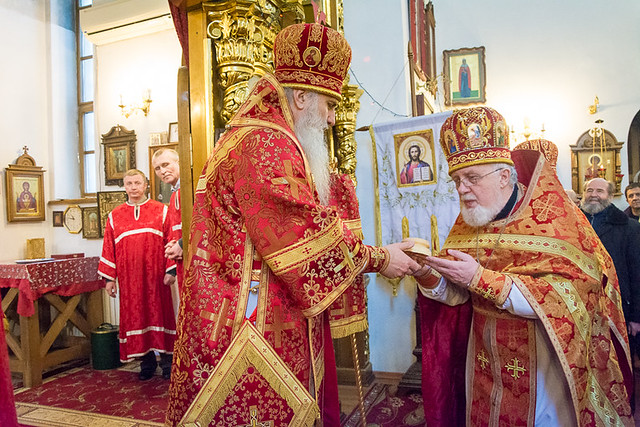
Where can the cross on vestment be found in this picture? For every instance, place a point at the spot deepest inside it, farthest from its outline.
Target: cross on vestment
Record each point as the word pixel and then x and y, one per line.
pixel 217 318
pixel 347 258
pixel 515 368
pixel 278 243
pixel 482 358
pixel 277 326
pixel 345 310
pixel 253 418
pixel 257 99
pixel 294 182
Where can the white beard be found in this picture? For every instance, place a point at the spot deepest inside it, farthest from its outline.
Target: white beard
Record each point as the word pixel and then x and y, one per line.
pixel 479 215
pixel 310 132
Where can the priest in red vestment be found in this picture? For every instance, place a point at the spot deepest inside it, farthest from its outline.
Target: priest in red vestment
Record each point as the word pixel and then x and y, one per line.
pixel 268 257
pixel 133 253
pixel 524 288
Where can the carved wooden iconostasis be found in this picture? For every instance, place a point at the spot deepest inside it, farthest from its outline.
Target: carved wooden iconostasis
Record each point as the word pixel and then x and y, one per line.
pixel 229 43
pixel 596 154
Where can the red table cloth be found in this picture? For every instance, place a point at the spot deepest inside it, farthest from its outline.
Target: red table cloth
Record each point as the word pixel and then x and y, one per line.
pixel 64 277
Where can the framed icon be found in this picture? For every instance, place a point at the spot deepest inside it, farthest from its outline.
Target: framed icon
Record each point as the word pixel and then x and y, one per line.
pixel 107 200
pixel 415 158
pixel 24 190
pixel 119 154
pixel 464 76
pixel 90 223
pixel 173 133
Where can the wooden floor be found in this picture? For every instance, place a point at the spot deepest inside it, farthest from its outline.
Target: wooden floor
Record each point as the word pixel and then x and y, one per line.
pixel 349 393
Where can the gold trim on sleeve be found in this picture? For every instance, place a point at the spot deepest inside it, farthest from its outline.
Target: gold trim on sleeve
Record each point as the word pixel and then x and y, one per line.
pixel 302 251
pixel 586 263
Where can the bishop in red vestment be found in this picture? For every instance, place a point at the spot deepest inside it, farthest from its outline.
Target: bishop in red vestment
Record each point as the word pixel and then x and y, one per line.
pixel 268 256
pixel 133 252
pixel 531 297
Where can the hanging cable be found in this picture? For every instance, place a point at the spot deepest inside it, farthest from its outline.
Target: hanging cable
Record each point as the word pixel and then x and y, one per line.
pixel 382 107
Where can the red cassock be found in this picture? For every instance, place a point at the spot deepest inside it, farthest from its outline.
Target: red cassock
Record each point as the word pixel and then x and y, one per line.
pixel 133 252
pixel 266 263
pixel 174 217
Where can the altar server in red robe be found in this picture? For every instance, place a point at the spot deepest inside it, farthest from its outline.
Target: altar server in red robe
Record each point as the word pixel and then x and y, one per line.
pixel 133 253
pixel 267 255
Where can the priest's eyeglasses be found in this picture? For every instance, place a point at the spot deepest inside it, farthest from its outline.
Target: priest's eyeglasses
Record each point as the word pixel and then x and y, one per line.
pixel 471 180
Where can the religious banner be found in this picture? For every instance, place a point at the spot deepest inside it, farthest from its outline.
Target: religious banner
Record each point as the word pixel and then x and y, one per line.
pixel 412 179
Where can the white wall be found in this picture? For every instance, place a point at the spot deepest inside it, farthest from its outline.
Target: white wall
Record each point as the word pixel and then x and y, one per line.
pixel 38 107
pixel 130 67
pixel 24 109
pixel 546 60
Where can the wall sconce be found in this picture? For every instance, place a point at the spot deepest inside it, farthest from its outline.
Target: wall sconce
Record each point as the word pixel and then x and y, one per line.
pixel 594 108
pixel 130 109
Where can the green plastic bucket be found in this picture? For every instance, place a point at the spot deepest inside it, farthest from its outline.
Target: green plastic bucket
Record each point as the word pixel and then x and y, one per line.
pixel 105 349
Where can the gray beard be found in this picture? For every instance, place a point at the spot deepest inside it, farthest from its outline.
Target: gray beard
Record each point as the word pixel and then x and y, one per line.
pixel 478 216
pixel 594 207
pixel 310 132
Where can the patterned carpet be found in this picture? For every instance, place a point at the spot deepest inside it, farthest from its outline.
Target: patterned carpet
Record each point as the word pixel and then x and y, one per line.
pixel 84 397
pixel 384 409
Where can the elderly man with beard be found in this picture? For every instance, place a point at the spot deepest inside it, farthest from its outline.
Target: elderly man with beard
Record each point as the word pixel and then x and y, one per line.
pixel 267 256
pixel 620 236
pixel 521 320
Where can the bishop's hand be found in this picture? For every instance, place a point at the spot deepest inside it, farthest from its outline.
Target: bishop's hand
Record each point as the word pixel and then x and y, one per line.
pixel 459 271
pixel 400 264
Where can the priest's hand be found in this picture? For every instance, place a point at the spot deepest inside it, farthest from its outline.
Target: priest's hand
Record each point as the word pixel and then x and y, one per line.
pixel 634 328
pixel 400 264
pixel 111 288
pixel 169 279
pixel 459 271
pixel 173 250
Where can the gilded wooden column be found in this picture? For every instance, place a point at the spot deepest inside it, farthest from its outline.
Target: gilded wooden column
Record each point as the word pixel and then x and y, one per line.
pixel 243 32
pixel 345 127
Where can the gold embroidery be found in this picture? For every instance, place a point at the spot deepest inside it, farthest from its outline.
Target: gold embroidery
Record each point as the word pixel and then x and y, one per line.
pixel 302 251
pixel 482 358
pixel 545 210
pixel 289 178
pixel 277 327
pixel 249 348
pixel 530 243
pixel 253 417
pixel 515 368
pixel 348 257
pixel 217 319
pixel 287 52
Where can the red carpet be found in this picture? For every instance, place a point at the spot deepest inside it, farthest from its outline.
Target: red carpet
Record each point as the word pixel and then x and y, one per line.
pixel 116 393
pixel 383 409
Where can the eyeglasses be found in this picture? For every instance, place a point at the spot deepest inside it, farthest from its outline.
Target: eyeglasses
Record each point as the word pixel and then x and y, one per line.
pixel 470 181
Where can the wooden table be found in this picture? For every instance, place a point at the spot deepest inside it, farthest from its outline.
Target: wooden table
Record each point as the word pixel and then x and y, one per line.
pixel 64 291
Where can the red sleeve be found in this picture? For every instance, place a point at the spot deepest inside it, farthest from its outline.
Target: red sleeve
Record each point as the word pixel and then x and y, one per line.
pixel 303 242
pixel 107 266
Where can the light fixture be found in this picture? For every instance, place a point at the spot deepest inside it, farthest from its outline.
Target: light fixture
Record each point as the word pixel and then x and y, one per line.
pixel 130 109
pixel 594 107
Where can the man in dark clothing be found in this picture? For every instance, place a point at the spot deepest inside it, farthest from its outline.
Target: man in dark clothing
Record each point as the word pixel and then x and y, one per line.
pixel 621 238
pixel 632 193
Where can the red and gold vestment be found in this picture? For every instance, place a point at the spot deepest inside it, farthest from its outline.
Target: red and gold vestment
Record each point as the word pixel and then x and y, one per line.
pixel 547 250
pixel 260 239
pixel 133 252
